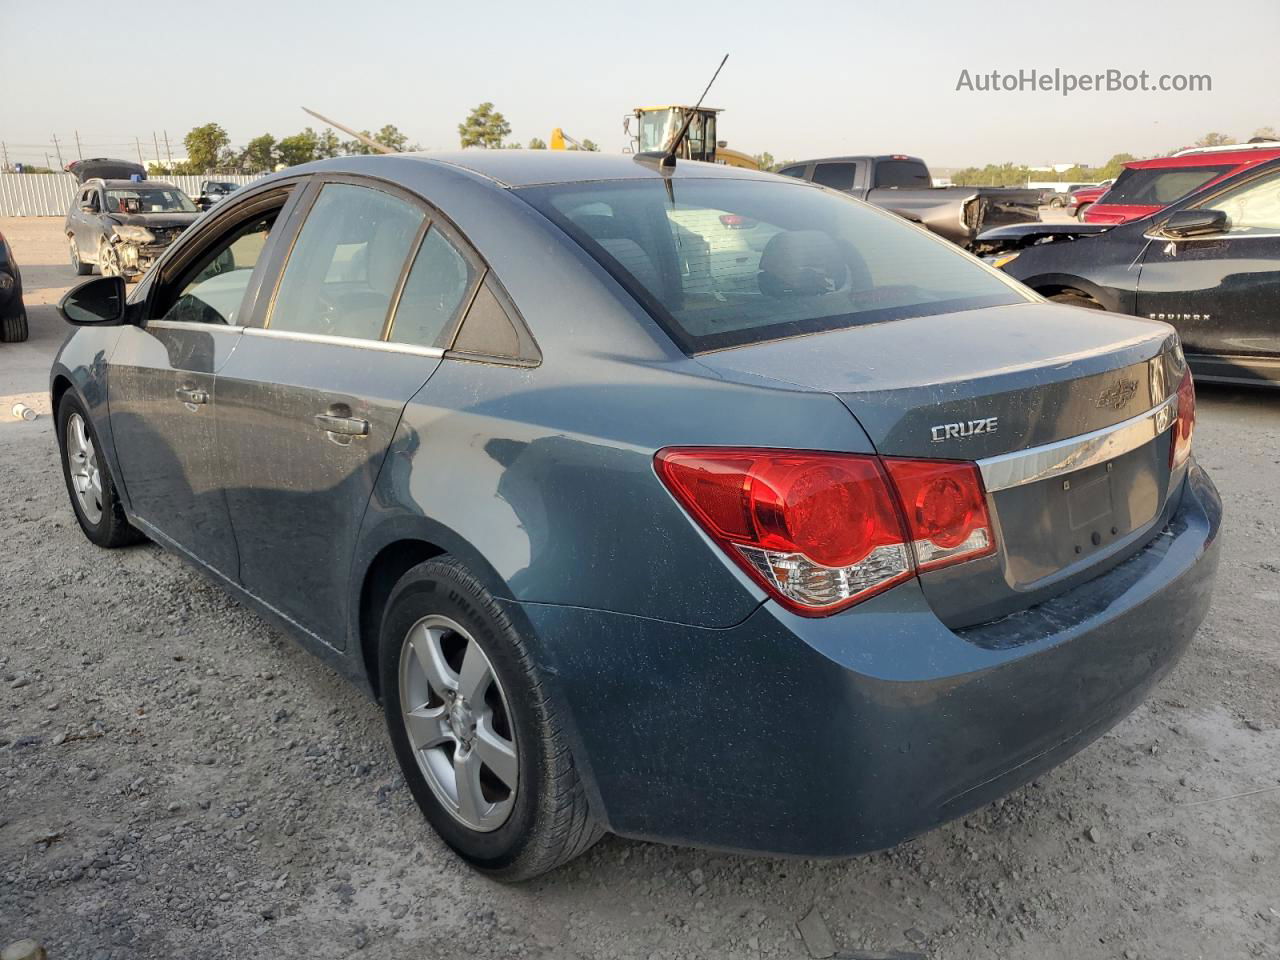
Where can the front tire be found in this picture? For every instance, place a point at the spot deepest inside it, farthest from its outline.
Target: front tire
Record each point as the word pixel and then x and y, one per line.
pixel 477 736
pixel 108 258
pixel 93 494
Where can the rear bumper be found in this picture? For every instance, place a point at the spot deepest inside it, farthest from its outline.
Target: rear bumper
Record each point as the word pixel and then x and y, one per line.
pixel 834 736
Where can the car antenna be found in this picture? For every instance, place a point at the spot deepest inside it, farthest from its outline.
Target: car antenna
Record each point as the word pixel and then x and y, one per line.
pixel 665 160
pixel 363 138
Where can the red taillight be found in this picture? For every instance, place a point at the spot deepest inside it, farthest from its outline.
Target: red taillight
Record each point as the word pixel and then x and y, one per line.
pixel 736 221
pixel 822 531
pixel 1180 445
pixel 945 508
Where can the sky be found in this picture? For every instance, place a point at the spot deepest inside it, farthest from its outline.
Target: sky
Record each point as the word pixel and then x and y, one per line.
pixel 805 80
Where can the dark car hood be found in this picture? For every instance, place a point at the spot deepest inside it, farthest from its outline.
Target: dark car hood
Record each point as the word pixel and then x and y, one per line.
pixel 155 219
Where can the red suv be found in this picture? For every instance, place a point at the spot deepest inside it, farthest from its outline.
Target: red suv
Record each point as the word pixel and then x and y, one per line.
pixel 1147 186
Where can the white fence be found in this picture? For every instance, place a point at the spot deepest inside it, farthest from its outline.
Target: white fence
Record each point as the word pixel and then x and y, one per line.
pixel 49 194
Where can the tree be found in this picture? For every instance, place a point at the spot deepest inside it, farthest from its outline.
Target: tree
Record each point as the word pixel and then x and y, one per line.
pixel 390 136
pixel 590 145
pixel 327 144
pixel 484 127
pixel 1265 133
pixel 764 160
pixel 537 143
pixel 358 148
pixel 300 148
pixel 1215 140
pixel 259 154
pixel 204 146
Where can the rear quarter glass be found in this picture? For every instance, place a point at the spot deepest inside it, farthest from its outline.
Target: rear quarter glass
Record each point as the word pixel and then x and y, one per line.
pixel 810 260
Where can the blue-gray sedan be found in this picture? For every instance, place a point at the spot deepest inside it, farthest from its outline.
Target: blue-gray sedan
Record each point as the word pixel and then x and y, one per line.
pixel 692 504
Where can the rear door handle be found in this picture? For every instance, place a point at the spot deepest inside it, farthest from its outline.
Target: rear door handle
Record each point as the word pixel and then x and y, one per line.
pixel 342 426
pixel 191 395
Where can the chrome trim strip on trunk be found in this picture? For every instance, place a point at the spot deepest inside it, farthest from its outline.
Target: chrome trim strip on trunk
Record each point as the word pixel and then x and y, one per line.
pixel 381 345
pixel 1066 456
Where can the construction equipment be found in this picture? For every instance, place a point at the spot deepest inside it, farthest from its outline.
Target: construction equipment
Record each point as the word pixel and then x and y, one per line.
pixel 656 126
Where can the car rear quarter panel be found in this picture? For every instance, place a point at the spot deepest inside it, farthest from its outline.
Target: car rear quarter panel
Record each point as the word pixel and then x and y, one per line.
pixel 545 474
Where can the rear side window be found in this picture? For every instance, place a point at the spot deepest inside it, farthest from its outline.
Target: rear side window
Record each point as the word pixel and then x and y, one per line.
pixel 724 262
pixel 902 173
pixel 838 176
pixel 1160 186
pixel 346 263
pixel 793 171
pixel 434 294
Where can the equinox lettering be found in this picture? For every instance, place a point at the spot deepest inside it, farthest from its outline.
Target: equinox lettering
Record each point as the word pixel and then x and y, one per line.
pixel 966 428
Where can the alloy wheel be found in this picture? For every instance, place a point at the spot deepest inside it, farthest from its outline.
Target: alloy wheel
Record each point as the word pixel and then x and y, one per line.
pixel 458 722
pixel 108 259
pixel 82 464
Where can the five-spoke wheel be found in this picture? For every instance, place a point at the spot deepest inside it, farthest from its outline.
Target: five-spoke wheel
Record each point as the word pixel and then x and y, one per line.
pixel 458 722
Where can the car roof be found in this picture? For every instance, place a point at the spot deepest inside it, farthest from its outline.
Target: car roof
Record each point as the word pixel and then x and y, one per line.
pixel 524 168
pixel 1225 158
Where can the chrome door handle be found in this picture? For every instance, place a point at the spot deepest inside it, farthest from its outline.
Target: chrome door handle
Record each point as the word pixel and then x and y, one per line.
pixel 191 395
pixel 342 426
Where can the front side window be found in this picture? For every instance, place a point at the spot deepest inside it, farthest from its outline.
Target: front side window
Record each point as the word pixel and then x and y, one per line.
pixel 742 261
pixel 216 286
pixel 1252 208
pixel 346 263
pixel 434 293
pixel 1160 186
pixel 144 199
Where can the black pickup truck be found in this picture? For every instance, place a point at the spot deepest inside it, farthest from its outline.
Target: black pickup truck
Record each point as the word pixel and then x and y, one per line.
pixel 903 185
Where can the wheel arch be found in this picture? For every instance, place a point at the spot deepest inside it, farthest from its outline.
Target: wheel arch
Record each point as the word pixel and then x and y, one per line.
pixel 1050 284
pixel 391 549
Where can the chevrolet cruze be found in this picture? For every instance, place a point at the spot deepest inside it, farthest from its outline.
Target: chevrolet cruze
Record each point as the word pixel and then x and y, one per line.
pixel 800 544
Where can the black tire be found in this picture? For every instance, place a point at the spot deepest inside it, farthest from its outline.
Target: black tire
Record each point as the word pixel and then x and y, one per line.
pixel 112 529
pixel 1076 299
pixel 13 328
pixel 1080 211
pixel 549 823
pixel 82 269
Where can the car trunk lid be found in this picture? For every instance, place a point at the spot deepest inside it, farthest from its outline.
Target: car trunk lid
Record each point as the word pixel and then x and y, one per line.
pixel 988 385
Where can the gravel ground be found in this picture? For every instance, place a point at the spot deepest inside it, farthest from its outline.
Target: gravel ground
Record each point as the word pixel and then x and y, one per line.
pixel 178 780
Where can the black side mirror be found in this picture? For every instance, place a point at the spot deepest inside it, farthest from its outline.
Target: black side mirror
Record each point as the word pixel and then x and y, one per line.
pixel 1195 223
pixel 96 302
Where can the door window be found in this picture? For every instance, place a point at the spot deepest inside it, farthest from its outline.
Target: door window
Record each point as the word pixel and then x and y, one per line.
pixel 346 263
pixel 434 294
pixel 213 290
pixel 1253 208
pixel 838 176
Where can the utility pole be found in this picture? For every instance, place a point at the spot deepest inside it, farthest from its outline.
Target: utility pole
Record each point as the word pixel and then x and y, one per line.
pixel 167 152
pixel 138 143
pixel 78 153
pixel 58 147
pixel 47 161
pixel 156 141
pixel 5 150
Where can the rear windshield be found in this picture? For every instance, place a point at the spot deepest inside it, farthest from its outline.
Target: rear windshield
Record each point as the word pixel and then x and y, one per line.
pixel 902 173
pixel 721 263
pixel 1160 186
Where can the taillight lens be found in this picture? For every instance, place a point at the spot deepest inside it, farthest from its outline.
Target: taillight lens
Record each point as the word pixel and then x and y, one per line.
pixel 945 508
pixel 736 221
pixel 822 531
pixel 1180 447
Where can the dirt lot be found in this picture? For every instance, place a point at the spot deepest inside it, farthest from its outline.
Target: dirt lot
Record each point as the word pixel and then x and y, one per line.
pixel 177 780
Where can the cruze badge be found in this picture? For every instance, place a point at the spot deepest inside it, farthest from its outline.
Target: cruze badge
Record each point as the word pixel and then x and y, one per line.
pixel 966 428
